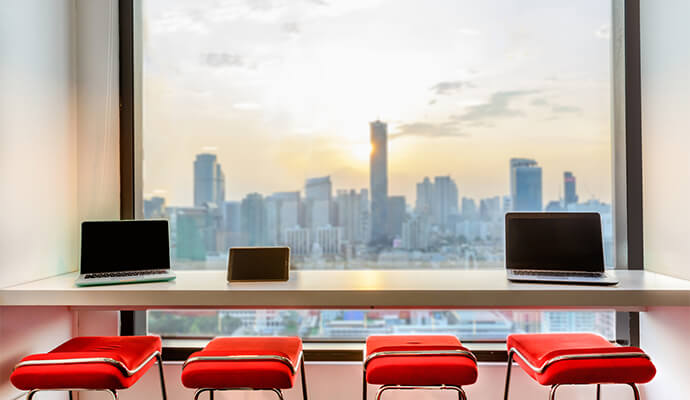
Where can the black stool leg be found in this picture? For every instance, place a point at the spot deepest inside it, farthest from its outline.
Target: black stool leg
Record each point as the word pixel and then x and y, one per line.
pixel 160 372
pixel 635 391
pixel 304 379
pixel 508 368
pixel 364 384
pixel 598 391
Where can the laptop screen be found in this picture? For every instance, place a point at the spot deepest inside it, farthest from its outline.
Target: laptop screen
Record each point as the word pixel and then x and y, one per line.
pixel 554 241
pixel 115 246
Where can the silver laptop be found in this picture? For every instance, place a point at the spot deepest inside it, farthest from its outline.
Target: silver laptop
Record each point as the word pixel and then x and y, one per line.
pixel 114 252
pixel 555 248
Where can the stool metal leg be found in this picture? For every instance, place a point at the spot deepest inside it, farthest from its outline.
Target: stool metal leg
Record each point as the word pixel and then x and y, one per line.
pixel 304 379
pixel 32 393
pixel 635 391
pixel 552 393
pixel 160 372
pixel 509 367
pixel 70 395
pixel 461 392
pixel 598 391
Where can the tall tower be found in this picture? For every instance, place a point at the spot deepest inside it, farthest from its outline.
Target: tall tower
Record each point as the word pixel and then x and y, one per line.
pixel 525 185
pixel 318 201
pixel 378 180
pixel 444 201
pixel 570 189
pixel 209 181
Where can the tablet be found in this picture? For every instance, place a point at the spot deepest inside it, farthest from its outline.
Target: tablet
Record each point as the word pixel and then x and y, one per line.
pixel 258 264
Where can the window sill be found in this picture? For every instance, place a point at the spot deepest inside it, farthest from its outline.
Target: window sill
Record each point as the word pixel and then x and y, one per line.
pixel 178 350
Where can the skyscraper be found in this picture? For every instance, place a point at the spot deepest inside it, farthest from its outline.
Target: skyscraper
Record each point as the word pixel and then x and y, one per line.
pixel 351 212
pixel 378 180
pixel 154 207
pixel 570 189
pixel 395 215
pixel 318 205
pixel 444 201
pixel 209 181
pixel 525 185
pixel 282 212
pixel 425 190
pixel 469 208
pixel 253 219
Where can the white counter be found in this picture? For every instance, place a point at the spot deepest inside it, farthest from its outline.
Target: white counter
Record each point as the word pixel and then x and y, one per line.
pixel 357 290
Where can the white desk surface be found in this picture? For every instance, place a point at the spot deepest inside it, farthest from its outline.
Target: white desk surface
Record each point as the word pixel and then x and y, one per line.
pixel 357 289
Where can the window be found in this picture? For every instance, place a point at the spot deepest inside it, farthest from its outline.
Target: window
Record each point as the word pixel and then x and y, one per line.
pixel 371 134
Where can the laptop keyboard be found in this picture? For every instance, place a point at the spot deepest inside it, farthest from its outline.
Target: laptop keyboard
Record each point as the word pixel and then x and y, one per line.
pixel 557 273
pixel 125 273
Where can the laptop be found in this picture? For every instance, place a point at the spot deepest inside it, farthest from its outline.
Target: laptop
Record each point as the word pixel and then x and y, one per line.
pixel 115 252
pixel 555 248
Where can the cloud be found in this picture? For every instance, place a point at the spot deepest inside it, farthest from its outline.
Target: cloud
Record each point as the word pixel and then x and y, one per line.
pixel 539 102
pixel 565 109
pixel 430 130
pixel 450 87
pixel 291 28
pixel 246 106
pixel 222 59
pixel 497 107
pixel 468 32
pixel 604 32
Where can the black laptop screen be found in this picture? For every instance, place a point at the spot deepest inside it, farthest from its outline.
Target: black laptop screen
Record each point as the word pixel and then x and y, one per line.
pixel 113 246
pixel 554 241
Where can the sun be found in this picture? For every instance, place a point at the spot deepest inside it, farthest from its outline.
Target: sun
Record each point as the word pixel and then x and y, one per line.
pixel 361 151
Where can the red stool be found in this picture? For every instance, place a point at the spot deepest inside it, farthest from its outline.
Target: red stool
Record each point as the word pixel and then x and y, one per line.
pixel 430 362
pixel 90 363
pixel 556 359
pixel 245 363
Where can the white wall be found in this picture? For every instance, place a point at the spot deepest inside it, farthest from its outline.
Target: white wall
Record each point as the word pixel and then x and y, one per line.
pixel 98 98
pixel 58 154
pixel 38 140
pixel 38 169
pixel 666 135
pixel 666 167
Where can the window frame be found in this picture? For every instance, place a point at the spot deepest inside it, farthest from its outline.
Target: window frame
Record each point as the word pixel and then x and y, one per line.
pixel 626 159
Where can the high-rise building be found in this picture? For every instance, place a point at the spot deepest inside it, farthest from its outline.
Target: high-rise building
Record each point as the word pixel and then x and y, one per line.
pixel 190 233
pixel 525 185
pixel 490 208
pixel 425 192
pixel 570 189
pixel 351 211
pixel 469 208
pixel 318 204
pixel 329 239
pixel 395 216
pixel 232 224
pixel 209 181
pixel 298 239
pixel 416 232
pixel 282 212
pixel 253 219
pixel 154 207
pixel 378 180
pixel 444 201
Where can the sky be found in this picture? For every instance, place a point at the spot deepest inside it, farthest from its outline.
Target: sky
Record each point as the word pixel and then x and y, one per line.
pixel 284 90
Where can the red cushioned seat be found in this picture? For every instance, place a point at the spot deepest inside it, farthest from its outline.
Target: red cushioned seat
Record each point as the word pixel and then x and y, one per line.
pixel 418 370
pixel 264 374
pixel 538 349
pixel 131 351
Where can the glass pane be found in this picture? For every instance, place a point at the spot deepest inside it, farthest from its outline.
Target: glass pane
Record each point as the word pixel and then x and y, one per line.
pixel 372 134
pixel 357 324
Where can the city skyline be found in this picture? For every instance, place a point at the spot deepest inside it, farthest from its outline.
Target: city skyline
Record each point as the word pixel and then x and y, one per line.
pixel 287 88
